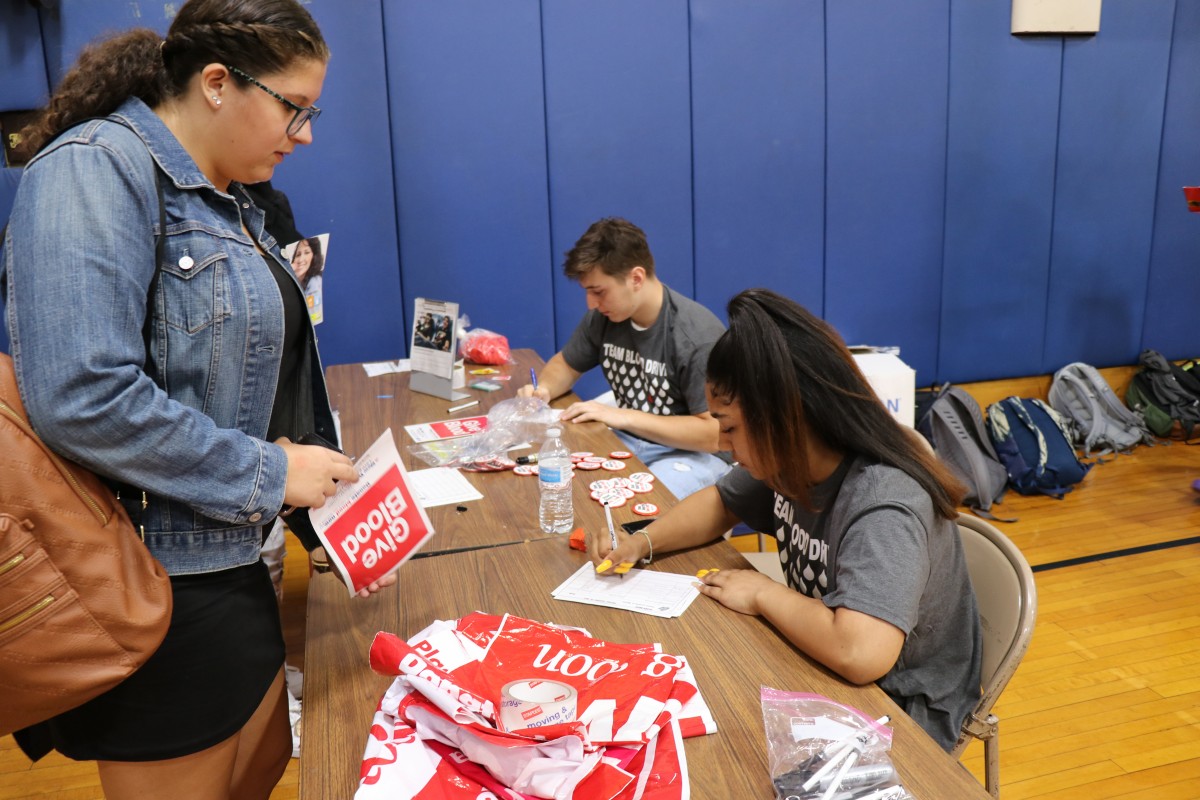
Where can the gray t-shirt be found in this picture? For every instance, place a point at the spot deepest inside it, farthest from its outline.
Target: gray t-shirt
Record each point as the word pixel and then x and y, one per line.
pixel 659 370
pixel 880 549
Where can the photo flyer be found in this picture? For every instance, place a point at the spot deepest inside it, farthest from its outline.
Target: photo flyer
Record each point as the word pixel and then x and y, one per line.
pixel 433 337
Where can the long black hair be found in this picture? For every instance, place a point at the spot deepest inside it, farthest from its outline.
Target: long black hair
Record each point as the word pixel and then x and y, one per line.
pixel 793 377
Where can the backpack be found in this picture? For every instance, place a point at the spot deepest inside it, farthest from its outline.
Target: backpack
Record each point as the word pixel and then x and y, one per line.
pixel 954 426
pixel 1138 396
pixel 1099 422
pixel 1034 444
pixel 1166 395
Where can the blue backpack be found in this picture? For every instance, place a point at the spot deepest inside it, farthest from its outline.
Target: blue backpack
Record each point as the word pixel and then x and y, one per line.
pixel 1034 443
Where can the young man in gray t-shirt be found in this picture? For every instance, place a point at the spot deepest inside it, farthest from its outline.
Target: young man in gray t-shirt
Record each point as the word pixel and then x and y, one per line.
pixel 652 345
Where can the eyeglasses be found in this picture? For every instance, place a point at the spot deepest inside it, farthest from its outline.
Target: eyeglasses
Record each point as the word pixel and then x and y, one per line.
pixel 302 114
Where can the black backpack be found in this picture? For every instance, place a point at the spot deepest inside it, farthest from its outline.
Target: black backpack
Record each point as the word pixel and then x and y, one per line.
pixel 1166 395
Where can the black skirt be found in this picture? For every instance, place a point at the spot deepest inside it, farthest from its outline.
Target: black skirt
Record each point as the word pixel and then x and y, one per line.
pixel 223 648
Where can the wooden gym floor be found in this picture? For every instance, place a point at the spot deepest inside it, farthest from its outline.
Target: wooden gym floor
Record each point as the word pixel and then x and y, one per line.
pixel 1106 703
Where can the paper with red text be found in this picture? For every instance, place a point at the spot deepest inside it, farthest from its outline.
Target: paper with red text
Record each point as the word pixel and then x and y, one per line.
pixel 446 429
pixel 371 527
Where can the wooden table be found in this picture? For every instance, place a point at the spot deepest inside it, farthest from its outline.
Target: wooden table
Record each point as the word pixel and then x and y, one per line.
pixel 731 654
pixel 509 511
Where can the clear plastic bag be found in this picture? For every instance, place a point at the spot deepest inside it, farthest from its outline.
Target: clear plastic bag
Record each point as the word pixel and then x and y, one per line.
pixel 818 749
pixel 510 422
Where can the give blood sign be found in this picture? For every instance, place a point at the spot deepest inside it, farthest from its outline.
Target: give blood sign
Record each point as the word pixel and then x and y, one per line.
pixel 446 429
pixel 371 527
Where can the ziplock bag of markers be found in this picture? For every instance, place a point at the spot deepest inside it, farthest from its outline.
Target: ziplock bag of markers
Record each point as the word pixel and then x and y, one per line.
pixel 818 749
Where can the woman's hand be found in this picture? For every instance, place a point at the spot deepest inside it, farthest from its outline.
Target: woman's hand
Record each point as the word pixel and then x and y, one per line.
pixel 375 586
pixel 313 473
pixel 629 550
pixel 739 589
pixel 320 559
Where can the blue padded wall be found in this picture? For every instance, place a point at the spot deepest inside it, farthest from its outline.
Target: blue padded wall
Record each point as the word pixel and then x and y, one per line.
pixel 341 184
pixel 618 134
pixel 885 180
pixel 9 178
pixel 334 185
pixel 23 65
pixel 22 58
pixel 1113 98
pixel 758 133
pixel 1171 321
pixel 68 25
pixel 1000 157
pixel 468 139
pixel 994 205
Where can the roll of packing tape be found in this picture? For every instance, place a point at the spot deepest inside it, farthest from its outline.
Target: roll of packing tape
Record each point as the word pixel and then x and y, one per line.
pixel 535 704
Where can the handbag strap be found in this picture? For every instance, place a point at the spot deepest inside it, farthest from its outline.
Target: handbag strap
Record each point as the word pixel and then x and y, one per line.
pixel 159 250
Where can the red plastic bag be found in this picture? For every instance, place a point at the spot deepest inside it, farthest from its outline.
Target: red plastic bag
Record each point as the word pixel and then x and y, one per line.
pixel 482 346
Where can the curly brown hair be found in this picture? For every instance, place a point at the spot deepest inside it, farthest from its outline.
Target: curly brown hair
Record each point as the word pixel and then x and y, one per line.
pixel 260 37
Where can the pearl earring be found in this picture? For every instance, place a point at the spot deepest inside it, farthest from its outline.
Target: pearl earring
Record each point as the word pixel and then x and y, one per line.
pixel 216 99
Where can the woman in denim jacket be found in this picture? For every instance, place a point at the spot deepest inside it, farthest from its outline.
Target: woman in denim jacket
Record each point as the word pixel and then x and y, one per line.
pixel 204 420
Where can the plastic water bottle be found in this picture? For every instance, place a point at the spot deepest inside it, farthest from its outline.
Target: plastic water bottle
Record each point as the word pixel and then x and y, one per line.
pixel 555 512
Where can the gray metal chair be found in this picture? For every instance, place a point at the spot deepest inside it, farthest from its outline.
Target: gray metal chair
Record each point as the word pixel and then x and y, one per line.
pixel 1007 598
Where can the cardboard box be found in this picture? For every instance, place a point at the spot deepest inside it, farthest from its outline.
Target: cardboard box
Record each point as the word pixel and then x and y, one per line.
pixel 894 381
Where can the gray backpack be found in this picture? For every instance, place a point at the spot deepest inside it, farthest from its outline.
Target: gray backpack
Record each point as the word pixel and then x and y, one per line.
pixel 1100 422
pixel 954 426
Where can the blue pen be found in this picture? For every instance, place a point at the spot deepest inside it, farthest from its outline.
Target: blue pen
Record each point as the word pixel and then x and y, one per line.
pixel 533 377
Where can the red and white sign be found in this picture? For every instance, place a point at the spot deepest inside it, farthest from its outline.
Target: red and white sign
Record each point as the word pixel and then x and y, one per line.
pixel 371 527
pixel 434 735
pixel 446 429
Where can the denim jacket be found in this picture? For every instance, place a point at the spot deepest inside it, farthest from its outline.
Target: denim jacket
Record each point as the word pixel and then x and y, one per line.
pixel 78 261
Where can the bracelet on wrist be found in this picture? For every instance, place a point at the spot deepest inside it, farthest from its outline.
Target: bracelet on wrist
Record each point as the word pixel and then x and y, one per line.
pixel 649 544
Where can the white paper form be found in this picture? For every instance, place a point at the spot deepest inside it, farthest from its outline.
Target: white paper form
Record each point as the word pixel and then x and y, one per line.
pixel 659 594
pixel 440 486
pixel 377 368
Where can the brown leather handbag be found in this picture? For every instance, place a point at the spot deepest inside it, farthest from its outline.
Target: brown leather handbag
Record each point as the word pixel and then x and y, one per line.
pixel 83 603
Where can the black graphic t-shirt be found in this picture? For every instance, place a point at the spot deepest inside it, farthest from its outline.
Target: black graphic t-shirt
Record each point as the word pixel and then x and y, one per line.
pixel 659 370
pixel 879 548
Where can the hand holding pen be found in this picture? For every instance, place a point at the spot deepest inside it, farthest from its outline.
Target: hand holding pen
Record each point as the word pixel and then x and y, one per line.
pixel 607 563
pixel 531 389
